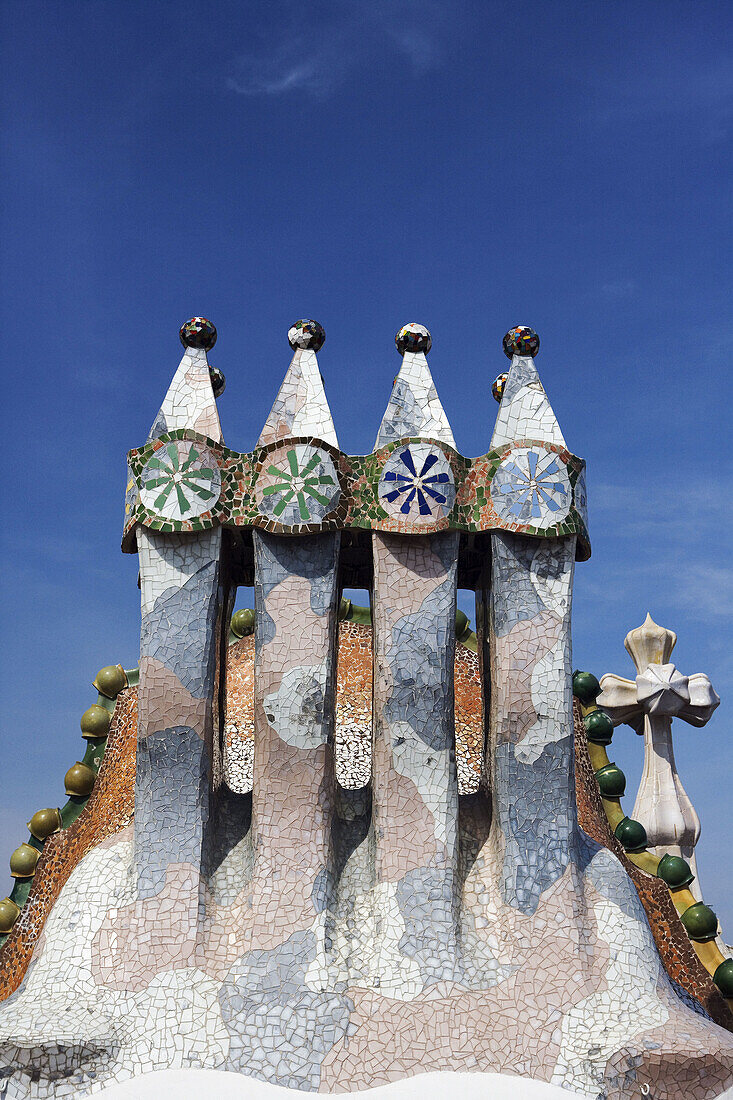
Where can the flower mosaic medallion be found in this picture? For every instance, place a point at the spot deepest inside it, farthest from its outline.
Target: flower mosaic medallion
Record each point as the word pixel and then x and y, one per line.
pixel 417 482
pixel 181 481
pixel 532 487
pixel 298 484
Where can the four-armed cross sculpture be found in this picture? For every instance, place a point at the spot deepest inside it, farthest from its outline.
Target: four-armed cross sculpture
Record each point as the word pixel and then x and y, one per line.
pixel 648 704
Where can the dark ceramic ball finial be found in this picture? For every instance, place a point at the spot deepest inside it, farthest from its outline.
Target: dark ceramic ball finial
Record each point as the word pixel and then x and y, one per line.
pixel 218 381
pixel 198 333
pixel 521 340
pixel 413 337
pixel 306 335
pixel 497 388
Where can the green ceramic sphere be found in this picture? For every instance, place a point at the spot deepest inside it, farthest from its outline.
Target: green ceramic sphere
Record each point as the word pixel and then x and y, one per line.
pixel 79 780
pixel 243 622
pixel 95 721
pixel 9 913
pixel 611 781
pixel 586 687
pixel 344 608
pixel 631 834
pixel 23 861
pixel 598 727
pixel 675 871
pixel 44 822
pixel 110 681
pixel 723 977
pixel 463 626
pixel 700 922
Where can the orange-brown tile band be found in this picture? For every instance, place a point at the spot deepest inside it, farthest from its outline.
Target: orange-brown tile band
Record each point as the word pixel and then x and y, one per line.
pixel 353 736
pixel 673 943
pixel 469 720
pixel 239 718
pixel 353 712
pixel 109 810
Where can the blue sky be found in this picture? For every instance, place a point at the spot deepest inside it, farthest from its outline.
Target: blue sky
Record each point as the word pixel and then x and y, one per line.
pixel 469 166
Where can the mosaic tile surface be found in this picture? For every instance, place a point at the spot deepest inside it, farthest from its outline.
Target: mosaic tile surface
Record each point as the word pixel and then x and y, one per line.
pixel 521 340
pixel 414 406
pixel 181 480
pixel 239 727
pixel 299 484
pixel 182 599
pixel 108 811
pixel 301 408
pixel 414 783
pixel 296 662
pixel 353 713
pixel 189 402
pixel 689 977
pixel 184 995
pixel 417 480
pixel 532 487
pixel 414 482
pixel 373 491
pixel 525 412
pixel 328 937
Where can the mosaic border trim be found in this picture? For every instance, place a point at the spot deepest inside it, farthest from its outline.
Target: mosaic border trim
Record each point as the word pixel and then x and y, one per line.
pixel 459 499
pixel 698 920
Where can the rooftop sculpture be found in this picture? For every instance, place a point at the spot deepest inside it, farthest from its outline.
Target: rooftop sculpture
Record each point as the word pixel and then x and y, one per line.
pixel 299 885
pixel 659 693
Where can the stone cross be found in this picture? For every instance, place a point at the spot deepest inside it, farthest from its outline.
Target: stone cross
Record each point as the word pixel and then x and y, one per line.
pixel 659 693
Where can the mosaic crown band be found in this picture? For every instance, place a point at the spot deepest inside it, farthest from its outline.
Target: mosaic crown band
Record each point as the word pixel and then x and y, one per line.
pixel 182 481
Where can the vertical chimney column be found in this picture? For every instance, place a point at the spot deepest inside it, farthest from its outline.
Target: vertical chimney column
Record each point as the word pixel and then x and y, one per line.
pixel 183 597
pixel 415 788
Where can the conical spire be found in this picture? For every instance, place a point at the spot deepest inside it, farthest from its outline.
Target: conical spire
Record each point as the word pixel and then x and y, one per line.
pixel 414 408
pixel 301 407
pixel 190 401
pixel 524 412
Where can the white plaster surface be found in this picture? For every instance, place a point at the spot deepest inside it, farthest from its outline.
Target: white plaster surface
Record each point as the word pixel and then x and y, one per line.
pixel 193 1084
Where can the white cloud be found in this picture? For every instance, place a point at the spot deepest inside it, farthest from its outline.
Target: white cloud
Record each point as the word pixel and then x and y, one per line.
pixel 619 288
pixel 317 56
pixel 684 509
pixel 275 76
pixel 639 85
pixel 708 590
pixel 671 536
